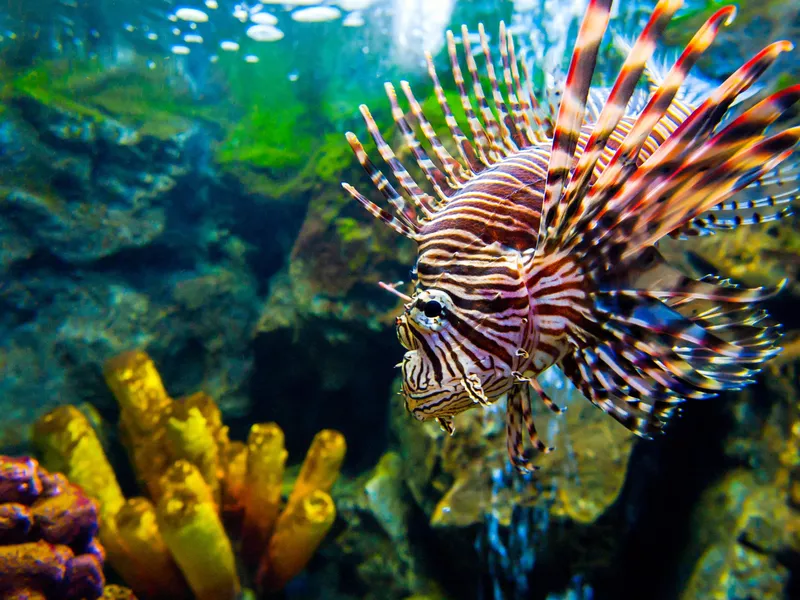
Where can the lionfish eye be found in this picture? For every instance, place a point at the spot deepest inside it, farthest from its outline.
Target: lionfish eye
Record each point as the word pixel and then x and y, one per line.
pixel 433 309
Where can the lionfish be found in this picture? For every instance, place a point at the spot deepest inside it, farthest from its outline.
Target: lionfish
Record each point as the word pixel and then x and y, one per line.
pixel 538 247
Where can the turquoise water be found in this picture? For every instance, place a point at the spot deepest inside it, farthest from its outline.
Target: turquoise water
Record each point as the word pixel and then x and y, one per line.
pixel 171 183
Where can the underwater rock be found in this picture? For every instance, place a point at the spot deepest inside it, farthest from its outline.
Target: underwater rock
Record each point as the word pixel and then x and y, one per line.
pixel 481 512
pixel 334 268
pixel 82 189
pixel 371 555
pixel 48 547
pixel 58 328
pixel 746 525
pixel 113 238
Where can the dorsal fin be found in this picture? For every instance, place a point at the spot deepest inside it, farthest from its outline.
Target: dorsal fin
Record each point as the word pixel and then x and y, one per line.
pixel 624 161
pixel 572 109
pixel 614 108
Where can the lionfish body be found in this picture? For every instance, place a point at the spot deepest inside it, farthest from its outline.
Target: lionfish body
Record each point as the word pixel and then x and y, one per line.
pixel 537 247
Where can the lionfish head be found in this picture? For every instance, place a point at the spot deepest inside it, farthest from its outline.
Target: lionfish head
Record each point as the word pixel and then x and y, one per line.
pixel 443 375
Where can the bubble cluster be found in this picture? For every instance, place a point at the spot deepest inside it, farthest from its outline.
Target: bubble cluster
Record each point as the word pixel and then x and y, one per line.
pixel 240 27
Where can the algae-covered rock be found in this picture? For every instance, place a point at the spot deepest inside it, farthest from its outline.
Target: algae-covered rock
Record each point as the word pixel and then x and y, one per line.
pixel 83 180
pixel 745 527
pixel 372 555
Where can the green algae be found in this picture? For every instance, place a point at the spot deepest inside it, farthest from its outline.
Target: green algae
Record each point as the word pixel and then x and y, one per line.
pixel 269 135
pixel 149 100
pixel 683 26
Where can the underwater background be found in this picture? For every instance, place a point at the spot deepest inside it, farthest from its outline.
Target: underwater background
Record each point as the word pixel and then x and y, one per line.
pixel 192 332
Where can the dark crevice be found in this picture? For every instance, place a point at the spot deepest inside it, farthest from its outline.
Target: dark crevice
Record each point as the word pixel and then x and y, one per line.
pixel 293 384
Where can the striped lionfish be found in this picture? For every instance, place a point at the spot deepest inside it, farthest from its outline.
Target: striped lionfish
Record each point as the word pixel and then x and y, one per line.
pixel 539 245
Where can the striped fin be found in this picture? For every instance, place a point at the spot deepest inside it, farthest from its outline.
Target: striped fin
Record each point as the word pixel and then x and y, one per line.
pixel 421 200
pixel 705 190
pixel 767 199
pixel 432 173
pixel 599 96
pixel 722 146
pixel 572 110
pixel 459 173
pixel 546 400
pixel 456 174
pixel 497 138
pixel 492 139
pixel 638 372
pixel 606 391
pixel 406 223
pixel 660 337
pixel 481 142
pixel 544 122
pixel 671 157
pixel 520 107
pixel 661 106
pixel 508 133
pixel 376 211
pixel 659 319
pixel 519 420
pixel 614 108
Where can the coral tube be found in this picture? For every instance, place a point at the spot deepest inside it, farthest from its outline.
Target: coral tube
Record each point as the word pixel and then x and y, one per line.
pixel 234 480
pixel 137 386
pixel 297 536
pixel 116 592
pixel 266 459
pixel 190 438
pixel 321 466
pixel 144 407
pixel 156 574
pixel 182 473
pixel 194 534
pixel 211 413
pixel 69 444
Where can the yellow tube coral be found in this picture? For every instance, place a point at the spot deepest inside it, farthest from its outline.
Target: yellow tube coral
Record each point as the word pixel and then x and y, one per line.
pixel 68 444
pixel 183 473
pixel 211 413
pixel 321 466
pixel 157 575
pixel 150 458
pixel 297 536
pixel 195 536
pixel 234 479
pixel 266 460
pixel 190 438
pixel 116 592
pixel 134 380
pixel 144 407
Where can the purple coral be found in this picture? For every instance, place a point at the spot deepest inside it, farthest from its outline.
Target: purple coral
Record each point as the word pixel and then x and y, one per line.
pixel 47 535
